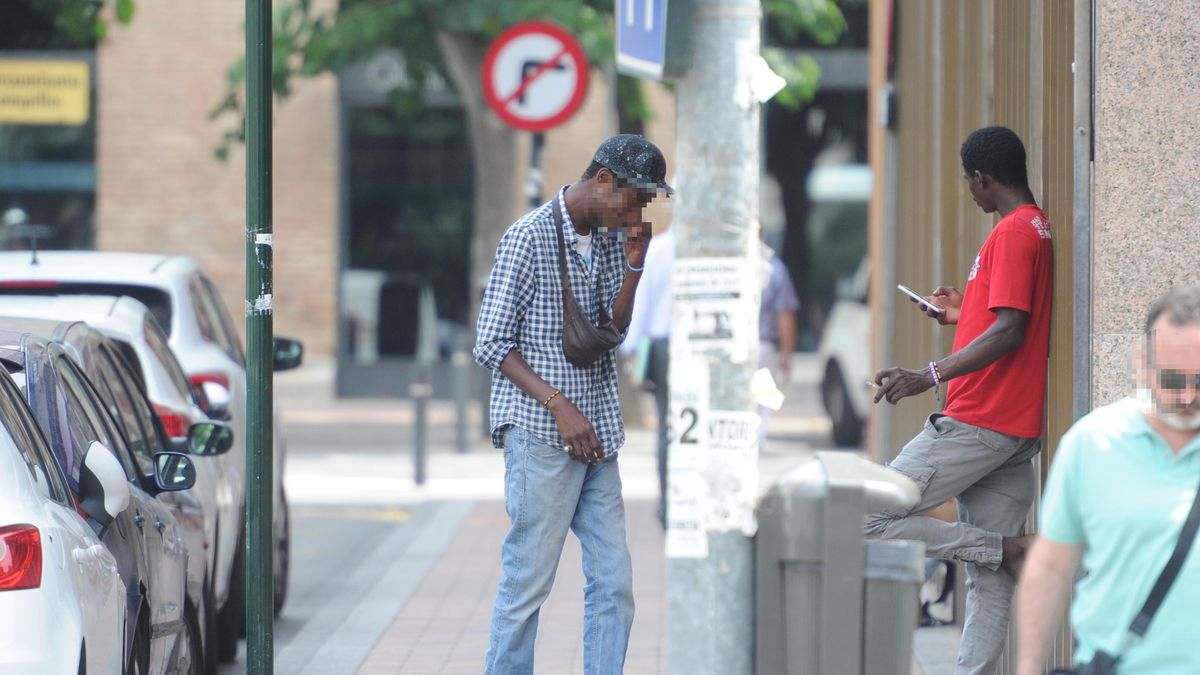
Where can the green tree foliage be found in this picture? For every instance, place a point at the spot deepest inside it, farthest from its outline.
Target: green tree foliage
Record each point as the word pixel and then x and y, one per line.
pixel 307 42
pixel 65 23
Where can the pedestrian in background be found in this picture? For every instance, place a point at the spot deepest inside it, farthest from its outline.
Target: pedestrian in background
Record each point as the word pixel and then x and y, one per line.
pixel 980 447
pixel 1122 484
pixel 648 343
pixel 557 303
pixel 776 330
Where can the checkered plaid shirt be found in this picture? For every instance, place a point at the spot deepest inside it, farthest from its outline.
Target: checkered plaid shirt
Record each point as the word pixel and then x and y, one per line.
pixel 522 309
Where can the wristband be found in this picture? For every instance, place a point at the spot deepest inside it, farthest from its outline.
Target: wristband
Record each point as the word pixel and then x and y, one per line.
pixel 631 268
pixel 934 374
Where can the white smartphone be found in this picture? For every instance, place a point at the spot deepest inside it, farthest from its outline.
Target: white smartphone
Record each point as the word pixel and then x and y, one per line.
pixel 916 296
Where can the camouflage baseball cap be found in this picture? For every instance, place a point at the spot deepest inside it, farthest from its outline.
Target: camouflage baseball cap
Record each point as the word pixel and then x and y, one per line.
pixel 636 161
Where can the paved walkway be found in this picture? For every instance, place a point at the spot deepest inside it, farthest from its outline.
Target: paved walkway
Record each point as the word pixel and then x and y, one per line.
pixel 444 626
pixel 420 603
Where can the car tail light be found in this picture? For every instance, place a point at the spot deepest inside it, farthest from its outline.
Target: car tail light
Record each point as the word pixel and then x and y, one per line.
pixel 173 423
pixel 20 557
pixel 32 283
pixel 200 378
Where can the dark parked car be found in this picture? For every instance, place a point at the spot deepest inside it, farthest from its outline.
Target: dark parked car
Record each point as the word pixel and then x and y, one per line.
pixel 145 538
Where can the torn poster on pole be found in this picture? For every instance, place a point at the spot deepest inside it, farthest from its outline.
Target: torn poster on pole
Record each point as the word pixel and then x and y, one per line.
pixel 718 305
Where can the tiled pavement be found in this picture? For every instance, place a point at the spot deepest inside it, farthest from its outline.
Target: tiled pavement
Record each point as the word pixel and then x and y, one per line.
pixel 444 626
pixel 441 626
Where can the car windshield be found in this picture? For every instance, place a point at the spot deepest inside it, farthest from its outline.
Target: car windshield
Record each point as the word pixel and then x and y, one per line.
pixel 159 301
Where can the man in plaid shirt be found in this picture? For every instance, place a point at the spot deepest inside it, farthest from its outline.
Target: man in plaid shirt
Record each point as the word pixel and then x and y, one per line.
pixel 560 424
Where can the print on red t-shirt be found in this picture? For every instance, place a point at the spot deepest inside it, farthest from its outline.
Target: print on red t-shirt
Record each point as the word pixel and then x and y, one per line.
pixel 1015 268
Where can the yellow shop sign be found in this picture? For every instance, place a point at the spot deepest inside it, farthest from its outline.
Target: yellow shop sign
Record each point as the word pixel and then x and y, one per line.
pixel 43 92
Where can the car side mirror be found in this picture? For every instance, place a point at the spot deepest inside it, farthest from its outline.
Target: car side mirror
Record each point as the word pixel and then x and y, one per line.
pixel 103 488
pixel 289 353
pixel 218 401
pixel 174 471
pixel 207 439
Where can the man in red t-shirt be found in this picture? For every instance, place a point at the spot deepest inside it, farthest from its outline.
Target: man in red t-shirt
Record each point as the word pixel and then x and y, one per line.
pixel 979 448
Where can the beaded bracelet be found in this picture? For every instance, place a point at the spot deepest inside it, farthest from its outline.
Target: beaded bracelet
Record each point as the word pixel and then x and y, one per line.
pixel 933 373
pixel 546 403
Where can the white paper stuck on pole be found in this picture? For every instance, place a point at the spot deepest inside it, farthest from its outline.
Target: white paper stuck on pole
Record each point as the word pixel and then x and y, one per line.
pixel 732 471
pixel 716 305
pixel 687 493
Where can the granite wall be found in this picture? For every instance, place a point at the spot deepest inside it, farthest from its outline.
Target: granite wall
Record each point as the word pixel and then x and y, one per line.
pixel 1146 199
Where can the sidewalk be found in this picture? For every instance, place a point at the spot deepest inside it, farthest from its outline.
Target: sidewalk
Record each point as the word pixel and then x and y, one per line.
pixel 424 608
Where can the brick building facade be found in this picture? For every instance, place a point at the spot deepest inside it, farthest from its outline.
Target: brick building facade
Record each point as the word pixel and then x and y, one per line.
pixel 160 188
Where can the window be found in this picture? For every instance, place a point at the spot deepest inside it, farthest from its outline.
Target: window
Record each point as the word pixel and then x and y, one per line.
pixel 231 335
pixel 141 404
pixel 156 299
pixel 203 317
pixel 28 440
pixel 158 344
pixel 89 422
pixel 127 352
pixel 226 335
pixel 115 389
pixel 409 211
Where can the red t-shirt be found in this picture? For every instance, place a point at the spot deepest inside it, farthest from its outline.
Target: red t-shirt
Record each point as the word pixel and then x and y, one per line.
pixel 1015 268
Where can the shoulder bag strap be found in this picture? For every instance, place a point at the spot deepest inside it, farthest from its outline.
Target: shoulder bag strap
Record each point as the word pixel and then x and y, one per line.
pixel 1142 621
pixel 568 293
pixel 562 255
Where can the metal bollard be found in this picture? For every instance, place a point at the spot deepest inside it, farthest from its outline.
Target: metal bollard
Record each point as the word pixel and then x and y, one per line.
pixel 421 391
pixel 460 363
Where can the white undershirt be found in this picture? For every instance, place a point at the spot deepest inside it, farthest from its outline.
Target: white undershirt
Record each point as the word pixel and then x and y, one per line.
pixel 583 245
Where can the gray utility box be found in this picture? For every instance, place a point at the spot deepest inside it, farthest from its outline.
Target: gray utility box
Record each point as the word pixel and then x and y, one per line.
pixel 828 602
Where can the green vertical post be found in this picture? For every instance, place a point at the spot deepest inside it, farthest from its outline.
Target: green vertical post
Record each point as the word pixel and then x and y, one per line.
pixel 260 652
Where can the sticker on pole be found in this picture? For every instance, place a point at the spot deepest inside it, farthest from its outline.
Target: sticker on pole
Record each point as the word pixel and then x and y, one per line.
pixel 535 76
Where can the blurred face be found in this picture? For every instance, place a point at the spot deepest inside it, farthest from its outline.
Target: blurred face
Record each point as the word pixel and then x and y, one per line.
pixel 976 183
pixel 621 206
pixel 1172 374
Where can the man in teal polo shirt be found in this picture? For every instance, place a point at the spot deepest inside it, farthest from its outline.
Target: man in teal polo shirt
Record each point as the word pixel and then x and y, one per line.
pixel 1119 490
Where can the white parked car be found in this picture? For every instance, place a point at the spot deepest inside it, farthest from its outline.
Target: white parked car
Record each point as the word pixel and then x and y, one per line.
pixel 135 332
pixel 203 338
pixel 845 350
pixel 62 602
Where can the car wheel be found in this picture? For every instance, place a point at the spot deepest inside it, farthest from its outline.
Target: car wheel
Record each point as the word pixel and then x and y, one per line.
pixel 283 550
pixel 191 651
pixel 847 426
pixel 232 616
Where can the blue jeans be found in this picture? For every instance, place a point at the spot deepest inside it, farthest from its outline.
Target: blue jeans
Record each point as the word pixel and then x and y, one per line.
pixel 547 493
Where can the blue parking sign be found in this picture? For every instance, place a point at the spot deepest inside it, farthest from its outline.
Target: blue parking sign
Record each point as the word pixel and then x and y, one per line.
pixel 641 37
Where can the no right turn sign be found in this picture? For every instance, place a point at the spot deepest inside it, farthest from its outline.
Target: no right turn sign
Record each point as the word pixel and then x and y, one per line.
pixel 535 76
